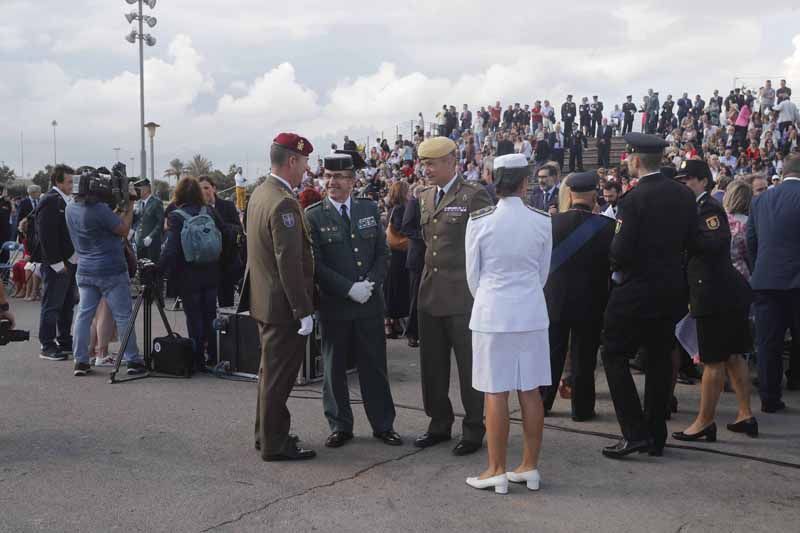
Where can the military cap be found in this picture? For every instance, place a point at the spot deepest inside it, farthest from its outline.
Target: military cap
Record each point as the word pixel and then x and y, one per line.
pixel 295 143
pixel 142 183
pixel 583 181
pixel 355 155
pixel 336 162
pixel 642 143
pixel 696 168
pixel 510 169
pixel 436 147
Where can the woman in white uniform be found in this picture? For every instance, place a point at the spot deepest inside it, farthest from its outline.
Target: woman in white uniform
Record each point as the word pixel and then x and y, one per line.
pixel 508 249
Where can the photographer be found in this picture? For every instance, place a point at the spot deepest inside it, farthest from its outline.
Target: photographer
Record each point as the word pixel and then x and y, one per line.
pixel 98 235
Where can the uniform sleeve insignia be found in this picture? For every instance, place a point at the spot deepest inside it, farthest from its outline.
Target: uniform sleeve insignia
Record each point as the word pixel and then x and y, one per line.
pixel 545 213
pixel 712 223
pixel 475 215
pixel 288 220
pixel 619 226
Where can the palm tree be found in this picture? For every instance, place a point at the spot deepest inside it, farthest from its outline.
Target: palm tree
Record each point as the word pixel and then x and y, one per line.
pixel 175 169
pixel 199 166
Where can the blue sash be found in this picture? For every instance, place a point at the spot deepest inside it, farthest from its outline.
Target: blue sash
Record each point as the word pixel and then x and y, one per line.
pixel 575 241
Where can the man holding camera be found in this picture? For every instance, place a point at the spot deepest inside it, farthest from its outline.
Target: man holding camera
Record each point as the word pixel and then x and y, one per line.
pixel 58 268
pixel 98 235
pixel 150 216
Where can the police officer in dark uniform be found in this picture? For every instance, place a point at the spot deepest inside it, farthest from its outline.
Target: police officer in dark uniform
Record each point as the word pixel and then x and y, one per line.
pixel 577 292
pixel 576 147
pixel 596 108
pixel 568 112
pixel 656 222
pixel 719 300
pixel 585 114
pixel 350 256
pixel 629 110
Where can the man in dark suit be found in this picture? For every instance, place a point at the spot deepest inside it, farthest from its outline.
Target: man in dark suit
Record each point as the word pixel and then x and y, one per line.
pixel 504 146
pixel 231 268
pixel 568 113
pixel 350 256
pixel 415 262
pixel 577 292
pixel 545 196
pixel 628 110
pixel 656 223
pixel 29 203
pixel 150 215
pixel 596 108
pixel 576 146
pixel 604 134
pixel 557 141
pixel 59 292
pixel 773 242
pixel 684 105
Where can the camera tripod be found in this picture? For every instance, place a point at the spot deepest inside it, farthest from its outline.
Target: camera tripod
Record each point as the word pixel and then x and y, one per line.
pixel 150 293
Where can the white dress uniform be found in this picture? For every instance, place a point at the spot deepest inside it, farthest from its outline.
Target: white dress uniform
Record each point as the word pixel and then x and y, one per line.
pixel 508 250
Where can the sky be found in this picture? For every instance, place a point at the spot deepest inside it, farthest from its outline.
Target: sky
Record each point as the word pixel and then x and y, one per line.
pixel 226 76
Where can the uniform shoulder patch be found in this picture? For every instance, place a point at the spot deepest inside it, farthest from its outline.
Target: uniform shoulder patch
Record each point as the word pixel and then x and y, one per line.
pixel 545 213
pixel 480 213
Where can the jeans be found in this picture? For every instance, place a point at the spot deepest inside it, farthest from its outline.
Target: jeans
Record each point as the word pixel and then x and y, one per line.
pixel 200 307
pixel 58 303
pixel 117 292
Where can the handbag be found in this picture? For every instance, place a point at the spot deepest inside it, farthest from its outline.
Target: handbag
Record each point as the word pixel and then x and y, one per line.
pixel 396 241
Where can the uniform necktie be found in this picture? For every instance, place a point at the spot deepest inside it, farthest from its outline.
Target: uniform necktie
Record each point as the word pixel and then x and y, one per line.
pixel 344 215
pixel 439 196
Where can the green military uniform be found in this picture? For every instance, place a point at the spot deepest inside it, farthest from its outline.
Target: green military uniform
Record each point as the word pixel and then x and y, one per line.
pixel 346 252
pixel 151 224
pixel 445 305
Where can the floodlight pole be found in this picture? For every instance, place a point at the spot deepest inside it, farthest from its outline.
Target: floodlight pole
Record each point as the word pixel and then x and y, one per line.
pixel 143 154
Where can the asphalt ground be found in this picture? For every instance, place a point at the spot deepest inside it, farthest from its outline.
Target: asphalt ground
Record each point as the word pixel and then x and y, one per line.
pixel 79 454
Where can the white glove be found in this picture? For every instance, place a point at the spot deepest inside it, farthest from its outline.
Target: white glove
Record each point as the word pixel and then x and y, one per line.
pixel 306 326
pixel 147 242
pixel 361 291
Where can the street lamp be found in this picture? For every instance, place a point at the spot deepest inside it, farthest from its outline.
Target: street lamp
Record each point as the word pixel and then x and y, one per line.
pixel 151 129
pixel 55 152
pixel 143 39
pixel 116 154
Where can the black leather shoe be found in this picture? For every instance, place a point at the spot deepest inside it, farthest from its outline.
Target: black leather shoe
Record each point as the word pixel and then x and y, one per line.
pixel 626 447
pixel 709 433
pixel 337 439
pixel 430 439
pixel 466 447
pixel 655 451
pixel 749 427
pixel 584 418
pixel 773 407
pixel 413 343
pixel 292 453
pixel 292 439
pixel 389 437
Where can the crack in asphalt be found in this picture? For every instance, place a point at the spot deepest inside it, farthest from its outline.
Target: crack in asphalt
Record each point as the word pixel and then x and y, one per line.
pixel 303 492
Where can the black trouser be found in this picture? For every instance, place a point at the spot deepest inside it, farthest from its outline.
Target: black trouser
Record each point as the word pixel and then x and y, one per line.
pixel 627 124
pixel 623 336
pixel 576 154
pixel 596 123
pixel 603 155
pixel 585 122
pixel 412 329
pixel 557 156
pixel 568 131
pixel 585 340
pixel 200 307
pixel 227 287
pixel 775 311
pixel 59 295
pixel 364 340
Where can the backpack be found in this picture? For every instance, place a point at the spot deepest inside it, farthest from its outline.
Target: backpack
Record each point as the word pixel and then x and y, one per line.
pixel 200 238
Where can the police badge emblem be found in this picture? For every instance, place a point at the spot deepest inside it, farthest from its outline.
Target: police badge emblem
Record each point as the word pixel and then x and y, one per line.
pixel 288 220
pixel 712 223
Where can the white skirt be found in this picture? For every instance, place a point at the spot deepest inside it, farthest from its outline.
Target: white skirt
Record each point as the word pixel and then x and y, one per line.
pixel 503 362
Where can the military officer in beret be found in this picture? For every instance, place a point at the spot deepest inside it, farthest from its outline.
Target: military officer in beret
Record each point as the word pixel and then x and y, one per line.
pixel 719 300
pixel 577 292
pixel 445 302
pixel 350 255
pixel 656 222
pixel 278 292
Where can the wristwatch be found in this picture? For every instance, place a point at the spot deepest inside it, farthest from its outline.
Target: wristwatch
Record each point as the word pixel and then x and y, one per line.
pixel 4 307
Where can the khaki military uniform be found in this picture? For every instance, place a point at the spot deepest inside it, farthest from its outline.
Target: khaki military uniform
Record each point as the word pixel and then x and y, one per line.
pixel 278 293
pixel 444 307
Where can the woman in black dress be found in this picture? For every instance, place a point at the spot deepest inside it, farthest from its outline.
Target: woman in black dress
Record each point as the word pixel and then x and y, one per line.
pixel 396 288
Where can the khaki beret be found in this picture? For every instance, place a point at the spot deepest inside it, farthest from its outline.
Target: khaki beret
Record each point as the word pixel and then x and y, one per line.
pixel 436 147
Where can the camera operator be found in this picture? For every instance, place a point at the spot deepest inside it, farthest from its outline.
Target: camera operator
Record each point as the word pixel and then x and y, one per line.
pixel 98 235
pixel 58 267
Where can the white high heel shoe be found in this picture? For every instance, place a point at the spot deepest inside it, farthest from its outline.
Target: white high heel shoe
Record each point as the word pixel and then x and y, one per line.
pixel 531 478
pixel 500 483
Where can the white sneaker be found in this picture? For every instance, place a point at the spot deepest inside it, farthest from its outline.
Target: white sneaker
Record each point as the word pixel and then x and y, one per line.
pixel 106 361
pixel 500 483
pixel 531 478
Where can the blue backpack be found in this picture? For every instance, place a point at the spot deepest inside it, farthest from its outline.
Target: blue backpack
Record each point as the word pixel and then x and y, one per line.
pixel 200 238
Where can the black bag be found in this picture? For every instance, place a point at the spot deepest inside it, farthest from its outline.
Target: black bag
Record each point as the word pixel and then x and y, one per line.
pixel 173 355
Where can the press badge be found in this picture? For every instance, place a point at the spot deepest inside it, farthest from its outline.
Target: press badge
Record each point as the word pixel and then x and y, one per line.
pixel 369 222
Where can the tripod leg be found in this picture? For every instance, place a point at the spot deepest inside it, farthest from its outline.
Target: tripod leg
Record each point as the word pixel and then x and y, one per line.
pixel 160 306
pixel 127 336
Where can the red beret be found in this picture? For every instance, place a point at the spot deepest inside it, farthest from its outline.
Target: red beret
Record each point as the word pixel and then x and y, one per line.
pixel 295 143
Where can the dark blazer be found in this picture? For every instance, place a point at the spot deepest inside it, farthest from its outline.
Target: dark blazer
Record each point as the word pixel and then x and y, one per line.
pixel 415 257
pixel 540 153
pixel 715 286
pixel 51 229
pixel 604 135
pixel 773 238
pixel 578 290
pixel 505 147
pixel 25 208
pixel 656 221
pixel 343 256
pixel 539 200
pixel 188 276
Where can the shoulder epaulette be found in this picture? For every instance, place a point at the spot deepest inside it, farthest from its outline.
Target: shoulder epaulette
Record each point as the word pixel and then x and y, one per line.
pixel 545 213
pixel 480 213
pixel 312 206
